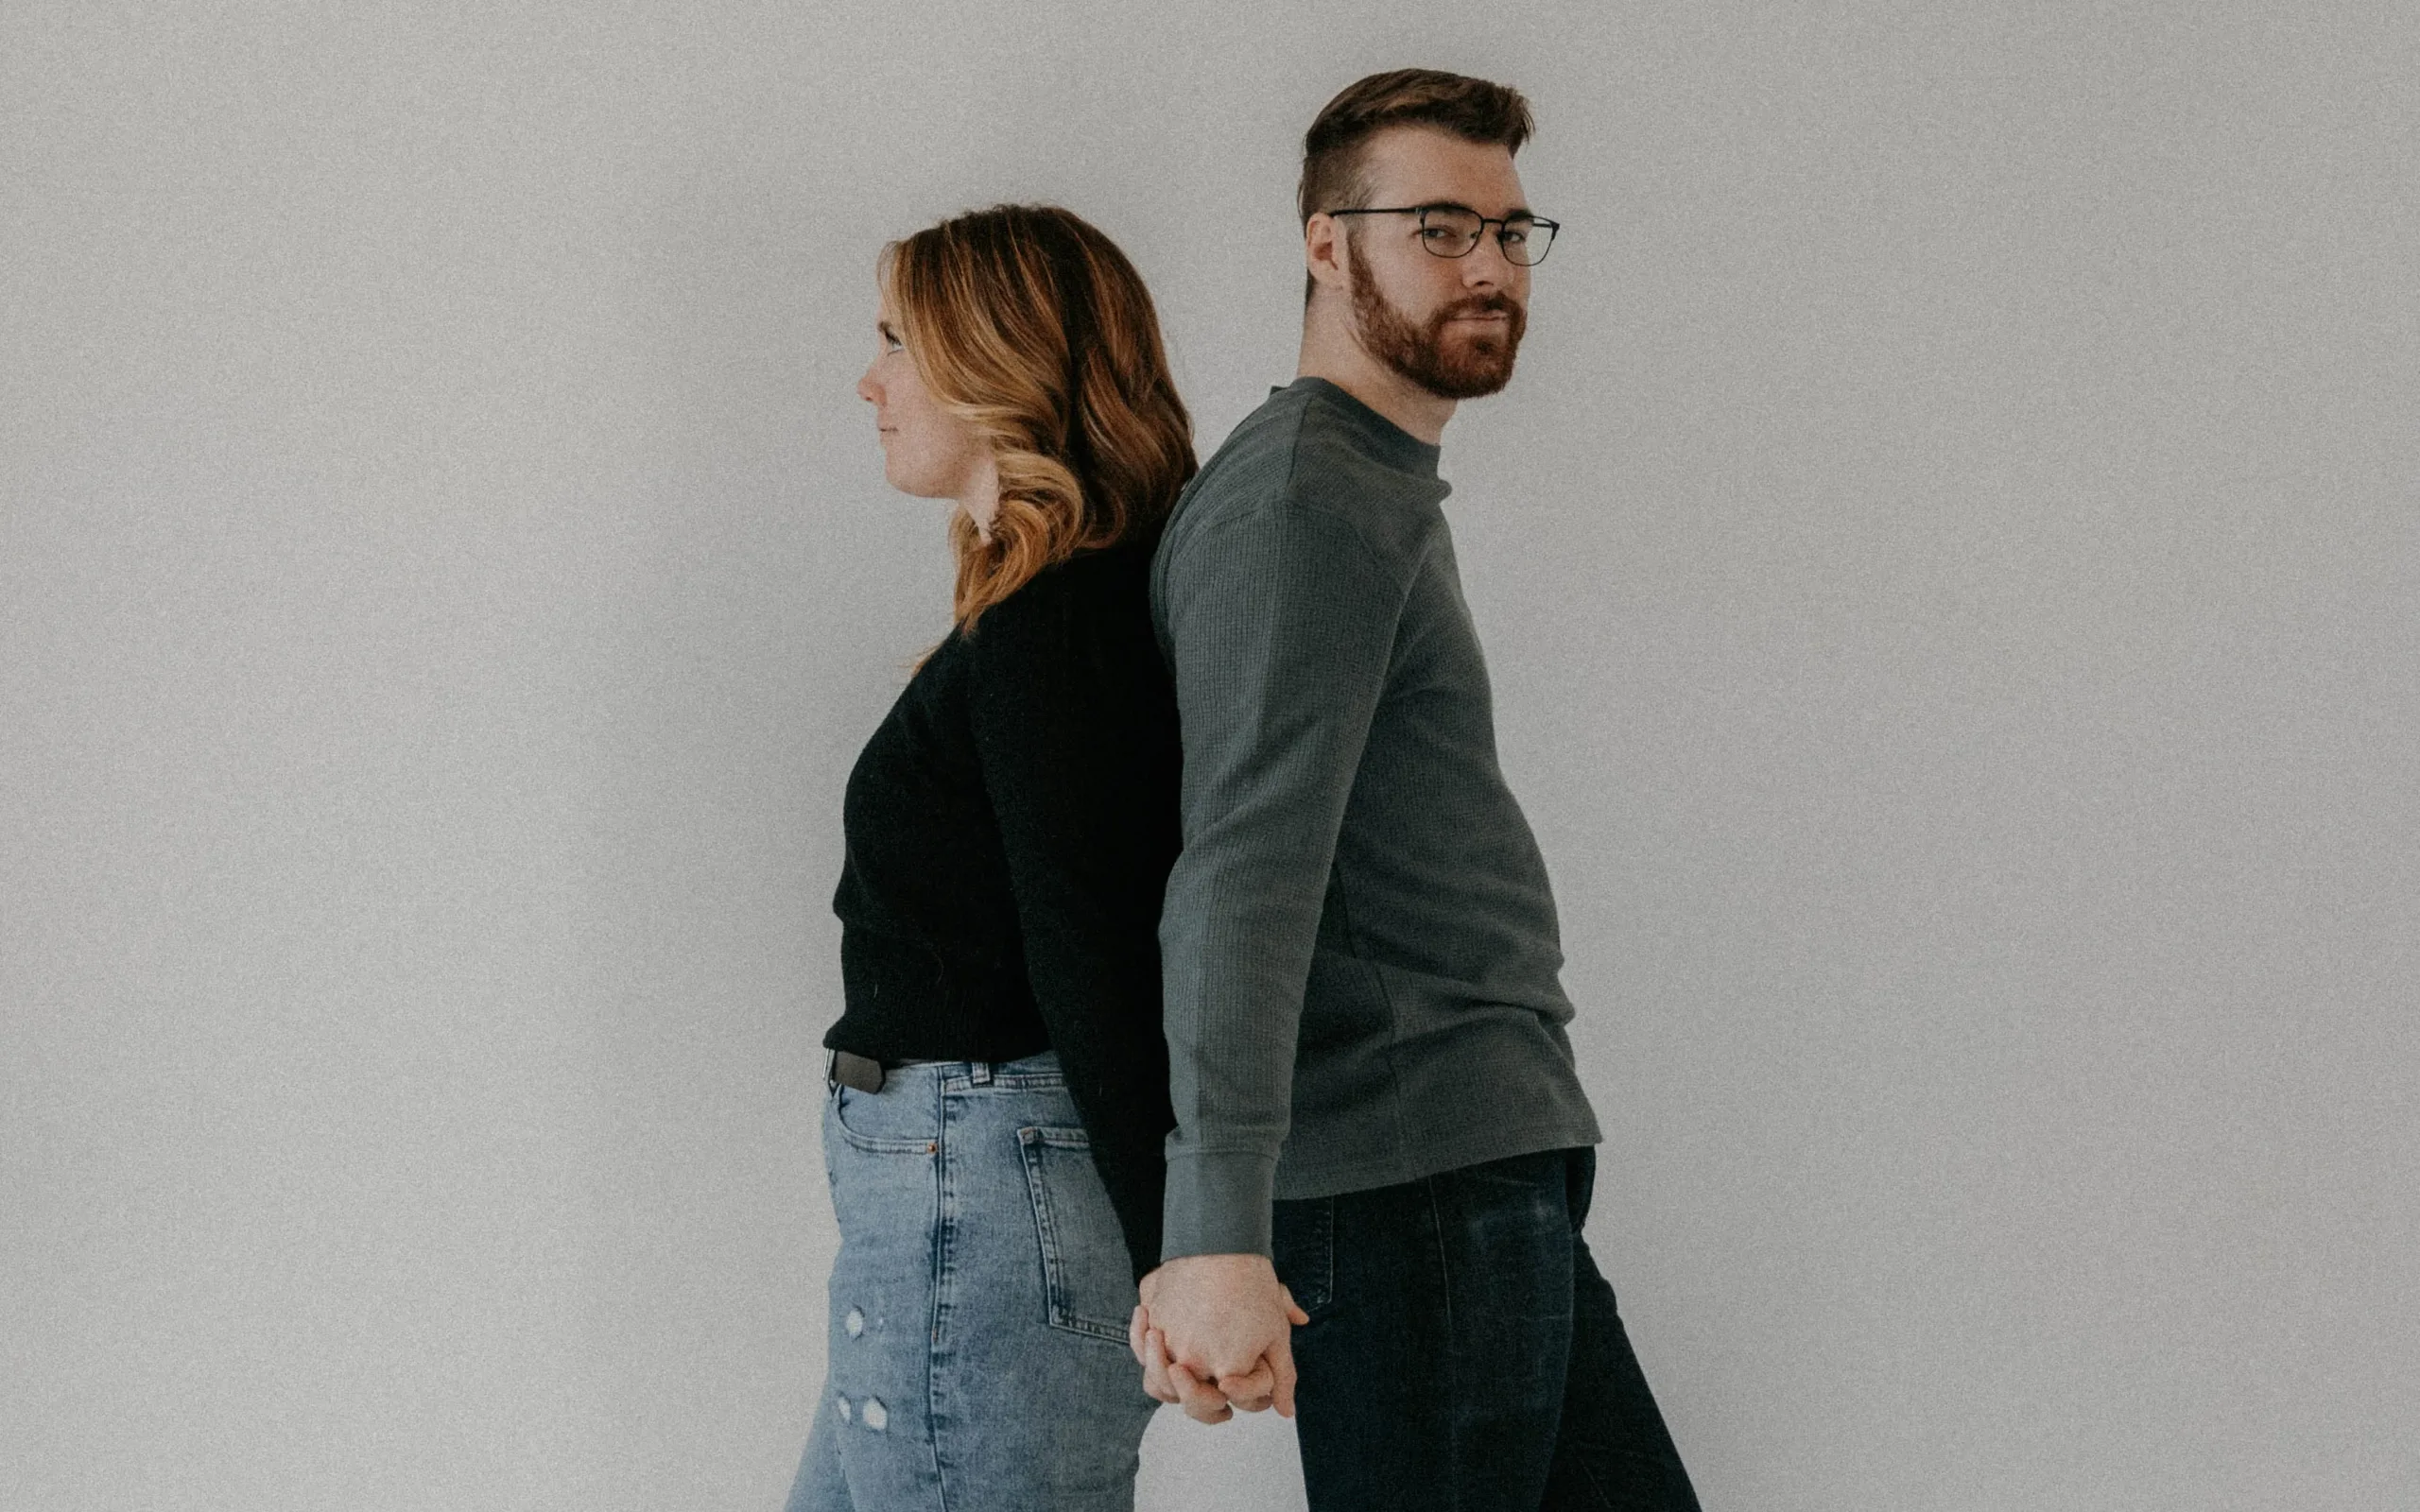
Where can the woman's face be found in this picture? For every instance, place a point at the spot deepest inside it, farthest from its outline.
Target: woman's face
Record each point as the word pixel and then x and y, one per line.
pixel 927 451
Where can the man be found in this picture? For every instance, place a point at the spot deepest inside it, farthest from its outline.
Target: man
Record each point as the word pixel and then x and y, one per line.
pixel 1377 1115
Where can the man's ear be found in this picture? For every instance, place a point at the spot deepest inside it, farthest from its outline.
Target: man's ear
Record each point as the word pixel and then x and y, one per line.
pixel 1323 252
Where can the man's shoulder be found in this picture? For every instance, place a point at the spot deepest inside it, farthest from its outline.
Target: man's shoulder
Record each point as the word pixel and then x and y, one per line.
pixel 1251 467
pixel 1283 469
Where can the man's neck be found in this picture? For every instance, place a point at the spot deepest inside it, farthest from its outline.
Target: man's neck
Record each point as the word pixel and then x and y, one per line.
pixel 1342 361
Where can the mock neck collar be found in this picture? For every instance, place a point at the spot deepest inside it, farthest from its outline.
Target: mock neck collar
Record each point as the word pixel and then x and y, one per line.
pixel 1393 445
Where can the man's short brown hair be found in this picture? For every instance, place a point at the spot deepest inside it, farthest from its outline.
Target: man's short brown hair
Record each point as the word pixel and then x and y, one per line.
pixel 1472 108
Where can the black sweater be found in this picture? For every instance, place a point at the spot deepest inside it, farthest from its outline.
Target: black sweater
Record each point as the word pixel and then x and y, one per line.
pixel 1010 826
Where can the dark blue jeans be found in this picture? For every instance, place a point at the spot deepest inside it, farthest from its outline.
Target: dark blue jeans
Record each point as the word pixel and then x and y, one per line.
pixel 1464 1353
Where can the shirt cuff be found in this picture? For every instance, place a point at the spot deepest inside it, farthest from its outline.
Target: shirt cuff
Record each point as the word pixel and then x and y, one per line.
pixel 1218 1203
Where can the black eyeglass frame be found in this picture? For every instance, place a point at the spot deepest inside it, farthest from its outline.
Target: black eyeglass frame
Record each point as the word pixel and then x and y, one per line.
pixel 1501 222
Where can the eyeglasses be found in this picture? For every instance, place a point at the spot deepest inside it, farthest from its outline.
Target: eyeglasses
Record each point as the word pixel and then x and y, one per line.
pixel 1452 231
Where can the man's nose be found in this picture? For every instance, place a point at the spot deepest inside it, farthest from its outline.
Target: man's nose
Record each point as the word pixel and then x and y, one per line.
pixel 1486 263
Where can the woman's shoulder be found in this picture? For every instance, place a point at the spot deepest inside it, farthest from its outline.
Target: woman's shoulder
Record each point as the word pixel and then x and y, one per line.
pixel 1098 587
pixel 1087 618
pixel 1103 568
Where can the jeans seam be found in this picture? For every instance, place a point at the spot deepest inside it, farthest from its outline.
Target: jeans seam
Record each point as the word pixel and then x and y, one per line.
pixel 1327 1253
pixel 944 1220
pixel 1596 1486
pixel 1445 1305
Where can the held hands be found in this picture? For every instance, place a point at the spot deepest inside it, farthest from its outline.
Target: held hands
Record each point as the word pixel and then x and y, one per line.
pixel 1213 1334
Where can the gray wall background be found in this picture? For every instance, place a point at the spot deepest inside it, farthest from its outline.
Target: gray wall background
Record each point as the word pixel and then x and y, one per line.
pixel 1949 562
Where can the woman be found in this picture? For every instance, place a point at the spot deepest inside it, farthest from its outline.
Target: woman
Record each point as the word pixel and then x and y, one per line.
pixel 1000 1085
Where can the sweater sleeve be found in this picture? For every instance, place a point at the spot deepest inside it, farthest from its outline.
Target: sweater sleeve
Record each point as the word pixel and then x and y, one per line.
pixel 1075 727
pixel 1281 623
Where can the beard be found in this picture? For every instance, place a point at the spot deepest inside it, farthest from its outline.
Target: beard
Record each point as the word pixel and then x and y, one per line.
pixel 1466 366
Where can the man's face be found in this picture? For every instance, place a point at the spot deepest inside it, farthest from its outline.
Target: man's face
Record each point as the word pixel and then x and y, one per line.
pixel 1451 325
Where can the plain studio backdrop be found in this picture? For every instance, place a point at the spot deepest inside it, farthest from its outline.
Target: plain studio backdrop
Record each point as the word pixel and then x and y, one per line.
pixel 1949 563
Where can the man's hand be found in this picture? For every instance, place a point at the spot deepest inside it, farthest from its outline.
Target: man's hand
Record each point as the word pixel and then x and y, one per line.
pixel 1166 1381
pixel 1216 1331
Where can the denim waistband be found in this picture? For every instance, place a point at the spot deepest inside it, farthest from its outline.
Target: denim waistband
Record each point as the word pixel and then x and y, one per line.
pixel 1039 1070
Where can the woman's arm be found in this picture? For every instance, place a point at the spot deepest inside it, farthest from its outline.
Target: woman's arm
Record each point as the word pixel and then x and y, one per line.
pixel 1075 724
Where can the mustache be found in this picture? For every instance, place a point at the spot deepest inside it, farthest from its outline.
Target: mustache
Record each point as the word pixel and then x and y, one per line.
pixel 1484 304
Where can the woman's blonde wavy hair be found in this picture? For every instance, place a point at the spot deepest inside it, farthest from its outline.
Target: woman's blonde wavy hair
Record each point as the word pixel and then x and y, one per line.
pixel 1030 325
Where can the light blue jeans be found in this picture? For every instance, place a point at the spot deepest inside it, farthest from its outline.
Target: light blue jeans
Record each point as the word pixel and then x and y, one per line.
pixel 978 1305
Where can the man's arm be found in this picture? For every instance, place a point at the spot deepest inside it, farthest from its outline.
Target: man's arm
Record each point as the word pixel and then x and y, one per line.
pixel 1281 621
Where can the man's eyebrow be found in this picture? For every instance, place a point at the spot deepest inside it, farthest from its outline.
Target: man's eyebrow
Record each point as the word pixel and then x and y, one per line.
pixel 1516 212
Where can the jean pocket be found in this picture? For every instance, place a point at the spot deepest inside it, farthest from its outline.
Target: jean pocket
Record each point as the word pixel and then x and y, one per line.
pixel 1087 1278
pixel 902 1142
pixel 1302 1246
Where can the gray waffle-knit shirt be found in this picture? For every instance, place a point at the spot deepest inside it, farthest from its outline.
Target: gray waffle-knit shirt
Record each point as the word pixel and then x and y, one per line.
pixel 1359 957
